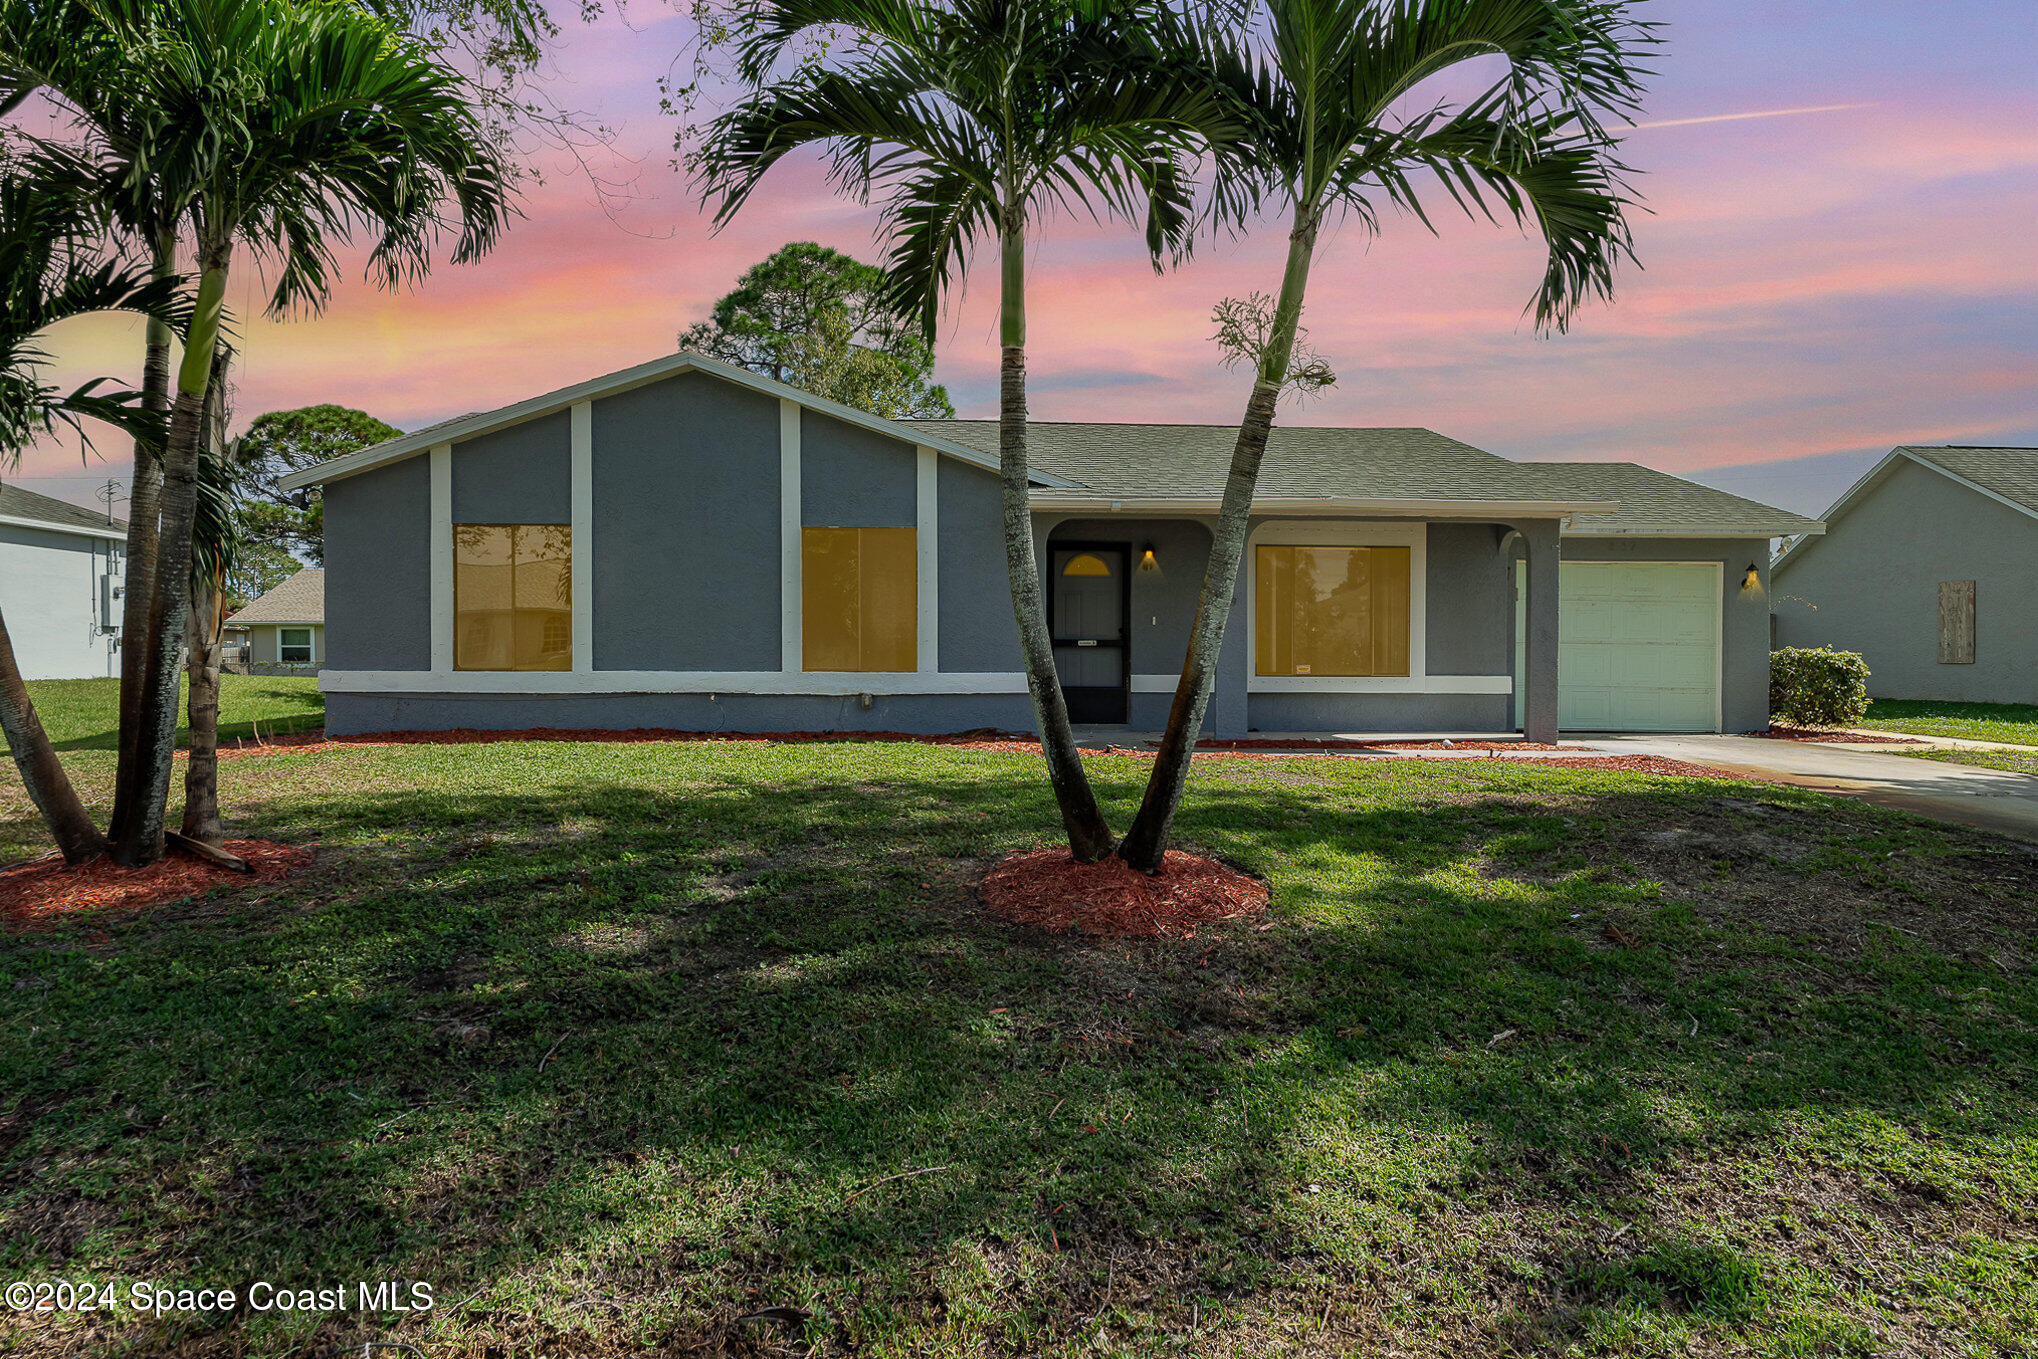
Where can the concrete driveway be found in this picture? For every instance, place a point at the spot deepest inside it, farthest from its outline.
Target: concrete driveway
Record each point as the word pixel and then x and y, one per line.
pixel 1994 799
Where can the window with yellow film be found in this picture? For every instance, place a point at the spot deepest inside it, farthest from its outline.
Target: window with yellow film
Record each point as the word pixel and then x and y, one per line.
pixel 1330 610
pixel 512 597
pixel 859 599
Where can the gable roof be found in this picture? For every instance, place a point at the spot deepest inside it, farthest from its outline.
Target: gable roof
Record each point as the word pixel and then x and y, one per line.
pixel 478 423
pixel 28 509
pixel 1658 504
pixel 301 599
pixel 2008 476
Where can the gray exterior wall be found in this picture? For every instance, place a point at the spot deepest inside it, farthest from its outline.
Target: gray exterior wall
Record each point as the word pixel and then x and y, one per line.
pixel 378 569
pixel 519 475
pixel 977 635
pixel 1872 585
pixel 686 519
pixel 1744 620
pixel 852 478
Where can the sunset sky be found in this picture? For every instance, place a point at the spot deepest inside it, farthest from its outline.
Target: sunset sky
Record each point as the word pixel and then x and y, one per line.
pixel 1839 257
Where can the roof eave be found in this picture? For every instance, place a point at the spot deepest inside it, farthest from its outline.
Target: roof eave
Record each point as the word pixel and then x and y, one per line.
pixel 111 532
pixel 611 384
pixel 1705 531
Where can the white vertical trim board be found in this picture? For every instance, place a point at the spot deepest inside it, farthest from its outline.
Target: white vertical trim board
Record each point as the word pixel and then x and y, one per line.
pixel 442 559
pixel 789 535
pixel 582 445
pixel 927 559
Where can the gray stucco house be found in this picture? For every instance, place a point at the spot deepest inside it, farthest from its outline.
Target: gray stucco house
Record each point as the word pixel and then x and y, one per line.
pixel 61 577
pixel 1930 571
pixel 688 545
pixel 285 627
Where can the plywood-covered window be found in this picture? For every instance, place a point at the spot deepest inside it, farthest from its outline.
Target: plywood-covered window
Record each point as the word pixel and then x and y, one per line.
pixel 512 597
pixel 859 599
pixel 1329 610
pixel 1956 622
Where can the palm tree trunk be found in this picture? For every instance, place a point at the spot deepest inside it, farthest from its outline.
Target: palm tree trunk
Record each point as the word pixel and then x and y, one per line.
pixel 138 839
pixel 202 646
pixel 49 787
pixel 1146 844
pixel 1089 836
pixel 144 505
pixel 201 772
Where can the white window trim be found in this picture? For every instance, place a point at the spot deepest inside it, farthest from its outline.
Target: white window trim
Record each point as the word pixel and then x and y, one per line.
pixel 310 643
pixel 1354 533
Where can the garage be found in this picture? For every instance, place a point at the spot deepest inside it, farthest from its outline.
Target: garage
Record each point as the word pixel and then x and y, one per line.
pixel 1639 646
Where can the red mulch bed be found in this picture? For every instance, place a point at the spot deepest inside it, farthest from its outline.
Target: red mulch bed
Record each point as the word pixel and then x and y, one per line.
pixel 1852 738
pixel 1049 889
pixel 1340 743
pixel 39 892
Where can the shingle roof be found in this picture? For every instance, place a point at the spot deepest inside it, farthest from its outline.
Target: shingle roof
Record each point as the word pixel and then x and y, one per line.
pixel 1190 462
pixel 301 599
pixel 1656 502
pixel 2011 473
pixel 17 503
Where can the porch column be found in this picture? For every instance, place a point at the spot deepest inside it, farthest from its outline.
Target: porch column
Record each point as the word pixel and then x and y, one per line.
pixel 1539 703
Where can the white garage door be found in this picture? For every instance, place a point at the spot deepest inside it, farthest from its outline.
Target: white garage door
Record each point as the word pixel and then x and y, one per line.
pixel 1640 646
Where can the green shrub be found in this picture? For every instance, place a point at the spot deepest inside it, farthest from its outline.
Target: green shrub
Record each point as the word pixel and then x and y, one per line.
pixel 1817 687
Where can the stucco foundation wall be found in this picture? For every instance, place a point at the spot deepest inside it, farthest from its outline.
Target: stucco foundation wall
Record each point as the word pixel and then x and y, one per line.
pixel 686 527
pixel 1744 619
pixel 1379 712
pixel 922 714
pixel 50 590
pixel 1872 585
pixel 378 569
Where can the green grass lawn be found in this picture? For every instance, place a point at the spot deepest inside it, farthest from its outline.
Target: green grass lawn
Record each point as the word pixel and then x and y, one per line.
pixel 2017 761
pixel 83 714
pixel 2015 723
pixel 613 1044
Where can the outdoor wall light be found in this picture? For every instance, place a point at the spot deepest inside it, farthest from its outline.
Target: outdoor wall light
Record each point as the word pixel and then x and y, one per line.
pixel 1751 584
pixel 1147 564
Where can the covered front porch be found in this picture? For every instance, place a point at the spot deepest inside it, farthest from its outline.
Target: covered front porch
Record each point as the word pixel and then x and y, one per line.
pixel 1340 622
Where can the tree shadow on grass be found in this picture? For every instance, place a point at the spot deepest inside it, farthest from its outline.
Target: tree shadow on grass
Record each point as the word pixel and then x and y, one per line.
pixel 630 1060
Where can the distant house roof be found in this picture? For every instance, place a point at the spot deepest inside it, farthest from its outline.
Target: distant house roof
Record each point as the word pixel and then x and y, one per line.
pixel 301 599
pixel 1657 503
pixel 2008 476
pixel 30 510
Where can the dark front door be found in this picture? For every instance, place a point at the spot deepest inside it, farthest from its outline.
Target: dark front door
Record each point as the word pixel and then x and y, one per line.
pixel 1088 600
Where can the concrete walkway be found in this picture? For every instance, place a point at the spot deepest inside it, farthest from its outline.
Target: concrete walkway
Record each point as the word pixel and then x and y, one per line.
pixel 1994 799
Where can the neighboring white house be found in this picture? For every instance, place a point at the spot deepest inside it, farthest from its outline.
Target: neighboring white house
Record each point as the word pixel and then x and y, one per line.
pixel 60 586
pixel 286 627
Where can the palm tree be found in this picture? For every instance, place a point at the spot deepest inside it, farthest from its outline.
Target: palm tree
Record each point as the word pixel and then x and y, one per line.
pixel 974 117
pixel 291 124
pixel 1342 128
pixel 215 542
pixel 66 50
pixel 49 274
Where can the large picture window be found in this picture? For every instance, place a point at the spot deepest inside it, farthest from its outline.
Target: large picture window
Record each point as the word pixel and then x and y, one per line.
pixel 859 599
pixel 512 597
pixel 1329 610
